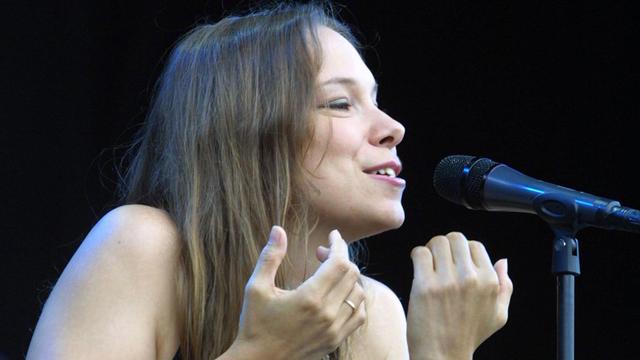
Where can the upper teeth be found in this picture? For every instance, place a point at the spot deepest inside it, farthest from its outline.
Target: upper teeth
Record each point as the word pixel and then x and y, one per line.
pixel 385 171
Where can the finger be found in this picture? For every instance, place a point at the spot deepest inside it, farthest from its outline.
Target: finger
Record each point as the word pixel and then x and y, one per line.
pixel 479 255
pixel 460 251
pixel 337 263
pixel 355 320
pixel 334 269
pixel 322 253
pixel 338 247
pixel 422 262
pixel 335 277
pixel 441 251
pixel 506 286
pixel 270 258
pixel 346 287
pixel 337 273
pixel 355 298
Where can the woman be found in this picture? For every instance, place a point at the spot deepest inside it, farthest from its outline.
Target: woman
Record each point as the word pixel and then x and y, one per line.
pixel 269 118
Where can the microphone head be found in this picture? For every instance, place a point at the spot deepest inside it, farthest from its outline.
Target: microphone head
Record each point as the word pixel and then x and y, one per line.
pixel 459 179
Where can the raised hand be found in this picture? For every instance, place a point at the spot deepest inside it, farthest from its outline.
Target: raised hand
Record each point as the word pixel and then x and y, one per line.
pixel 307 322
pixel 458 298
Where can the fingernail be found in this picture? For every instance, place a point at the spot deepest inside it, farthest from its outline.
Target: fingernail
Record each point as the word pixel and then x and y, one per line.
pixel 273 236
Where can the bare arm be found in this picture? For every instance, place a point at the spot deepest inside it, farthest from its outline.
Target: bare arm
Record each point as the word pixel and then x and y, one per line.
pixel 116 299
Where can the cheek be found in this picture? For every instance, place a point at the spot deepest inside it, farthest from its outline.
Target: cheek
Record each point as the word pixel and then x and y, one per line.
pixel 334 147
pixel 346 141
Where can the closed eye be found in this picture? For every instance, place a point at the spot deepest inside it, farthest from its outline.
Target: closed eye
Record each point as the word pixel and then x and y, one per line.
pixel 339 104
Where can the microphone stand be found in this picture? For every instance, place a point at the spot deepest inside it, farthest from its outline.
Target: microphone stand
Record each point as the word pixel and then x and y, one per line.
pixel 565 266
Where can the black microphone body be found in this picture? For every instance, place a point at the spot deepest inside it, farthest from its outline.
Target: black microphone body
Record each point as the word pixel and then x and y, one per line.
pixel 482 184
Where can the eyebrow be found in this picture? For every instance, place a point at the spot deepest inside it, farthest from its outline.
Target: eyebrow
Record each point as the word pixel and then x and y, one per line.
pixel 347 82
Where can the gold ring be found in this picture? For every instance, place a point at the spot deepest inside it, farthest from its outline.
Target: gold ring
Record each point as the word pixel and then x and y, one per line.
pixel 351 304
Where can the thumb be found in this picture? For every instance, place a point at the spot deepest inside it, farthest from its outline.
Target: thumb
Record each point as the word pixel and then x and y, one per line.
pixel 506 286
pixel 271 257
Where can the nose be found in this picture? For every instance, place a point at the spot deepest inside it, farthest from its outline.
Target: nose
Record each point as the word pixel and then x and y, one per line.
pixel 386 130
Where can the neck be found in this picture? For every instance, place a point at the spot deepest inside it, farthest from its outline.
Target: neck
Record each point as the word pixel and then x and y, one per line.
pixel 304 262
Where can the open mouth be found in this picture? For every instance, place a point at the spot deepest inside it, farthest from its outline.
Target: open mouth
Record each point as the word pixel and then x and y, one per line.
pixel 385 171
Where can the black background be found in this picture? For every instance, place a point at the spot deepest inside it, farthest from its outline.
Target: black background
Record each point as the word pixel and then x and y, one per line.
pixel 549 88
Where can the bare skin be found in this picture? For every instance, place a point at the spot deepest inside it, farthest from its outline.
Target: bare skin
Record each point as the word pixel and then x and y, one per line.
pixel 112 300
pixel 117 298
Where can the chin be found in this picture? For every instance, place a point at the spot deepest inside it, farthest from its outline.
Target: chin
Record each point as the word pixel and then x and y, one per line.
pixel 394 219
pixel 388 220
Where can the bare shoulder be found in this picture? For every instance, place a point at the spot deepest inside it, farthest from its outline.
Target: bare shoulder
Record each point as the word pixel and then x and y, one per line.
pixel 381 296
pixel 139 229
pixel 384 334
pixel 117 296
pixel 141 239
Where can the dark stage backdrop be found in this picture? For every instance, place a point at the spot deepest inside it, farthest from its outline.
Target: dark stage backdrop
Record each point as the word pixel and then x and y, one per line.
pixel 550 88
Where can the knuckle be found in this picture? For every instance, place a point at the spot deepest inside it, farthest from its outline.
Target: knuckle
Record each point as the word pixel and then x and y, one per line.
pixel 311 305
pixel 437 290
pixel 476 244
pixel 492 283
pixel 493 289
pixel 456 235
pixel 469 280
pixel 361 316
pixel 343 265
pixel 509 285
pixel 448 287
pixel 268 258
pixel 252 290
pixel 325 317
pixel 438 240
pixel 418 251
pixel 358 292
pixel 353 272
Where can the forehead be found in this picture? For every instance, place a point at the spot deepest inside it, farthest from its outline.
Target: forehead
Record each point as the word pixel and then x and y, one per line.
pixel 341 60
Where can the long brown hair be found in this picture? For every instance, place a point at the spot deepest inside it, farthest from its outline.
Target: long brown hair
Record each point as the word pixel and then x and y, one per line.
pixel 221 151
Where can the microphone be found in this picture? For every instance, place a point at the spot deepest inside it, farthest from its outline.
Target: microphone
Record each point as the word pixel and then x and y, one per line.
pixel 482 184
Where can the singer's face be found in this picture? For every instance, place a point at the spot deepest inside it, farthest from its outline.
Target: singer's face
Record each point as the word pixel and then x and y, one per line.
pixel 352 160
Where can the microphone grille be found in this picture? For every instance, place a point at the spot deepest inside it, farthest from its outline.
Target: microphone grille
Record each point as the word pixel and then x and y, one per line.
pixel 448 176
pixel 460 179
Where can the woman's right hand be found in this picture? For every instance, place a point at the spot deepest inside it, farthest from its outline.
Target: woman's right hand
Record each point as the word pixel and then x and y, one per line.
pixel 307 322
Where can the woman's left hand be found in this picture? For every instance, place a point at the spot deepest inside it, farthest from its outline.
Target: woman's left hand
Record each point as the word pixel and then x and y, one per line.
pixel 458 298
